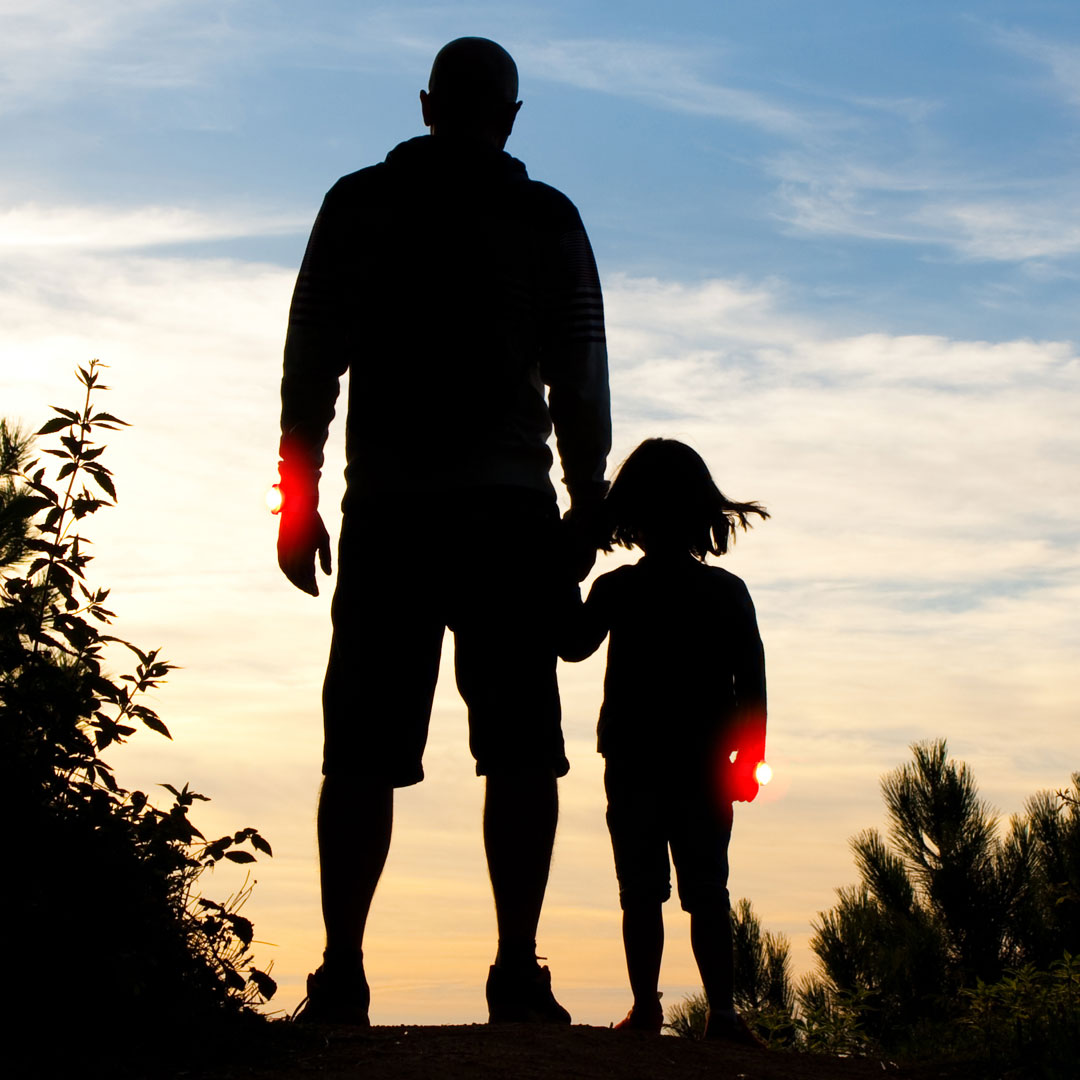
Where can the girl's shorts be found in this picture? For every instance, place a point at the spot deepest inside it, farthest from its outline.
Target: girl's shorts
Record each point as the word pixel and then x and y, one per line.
pixel 650 810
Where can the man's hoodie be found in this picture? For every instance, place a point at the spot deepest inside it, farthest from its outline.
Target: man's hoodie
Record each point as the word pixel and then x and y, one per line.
pixel 454 290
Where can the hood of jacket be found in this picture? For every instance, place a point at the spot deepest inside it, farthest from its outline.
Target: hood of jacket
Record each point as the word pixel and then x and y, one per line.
pixel 447 157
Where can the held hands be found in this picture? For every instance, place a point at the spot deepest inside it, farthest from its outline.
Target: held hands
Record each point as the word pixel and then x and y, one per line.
pixel 580 530
pixel 301 533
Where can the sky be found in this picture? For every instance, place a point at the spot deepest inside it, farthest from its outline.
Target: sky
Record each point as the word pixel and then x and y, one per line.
pixel 839 244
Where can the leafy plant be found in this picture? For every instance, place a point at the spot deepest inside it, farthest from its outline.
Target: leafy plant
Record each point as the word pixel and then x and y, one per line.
pixel 687 1018
pixel 1030 1018
pixel 108 893
pixel 830 1021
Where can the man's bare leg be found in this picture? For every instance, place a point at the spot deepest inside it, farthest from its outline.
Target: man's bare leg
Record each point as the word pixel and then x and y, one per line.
pixel 354 826
pixel 520 814
pixel 355 822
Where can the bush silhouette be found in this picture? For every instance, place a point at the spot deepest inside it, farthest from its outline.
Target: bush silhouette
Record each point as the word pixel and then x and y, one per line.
pixel 946 911
pixel 105 923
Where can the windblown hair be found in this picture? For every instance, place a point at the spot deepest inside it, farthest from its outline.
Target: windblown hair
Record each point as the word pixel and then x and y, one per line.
pixel 663 490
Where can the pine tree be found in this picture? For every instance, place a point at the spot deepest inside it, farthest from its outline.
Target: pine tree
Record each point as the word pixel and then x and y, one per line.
pixel 945 904
pixel 16 508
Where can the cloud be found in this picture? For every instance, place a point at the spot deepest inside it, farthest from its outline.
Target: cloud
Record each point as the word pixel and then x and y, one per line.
pixel 52 49
pixel 919 577
pixel 926 204
pixel 1060 58
pixel 866 167
pixel 663 76
pixel 1007 231
pixel 30 226
pixel 873 418
pixel 879 431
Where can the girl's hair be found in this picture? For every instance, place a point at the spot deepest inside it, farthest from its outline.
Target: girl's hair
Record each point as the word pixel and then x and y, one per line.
pixel 664 490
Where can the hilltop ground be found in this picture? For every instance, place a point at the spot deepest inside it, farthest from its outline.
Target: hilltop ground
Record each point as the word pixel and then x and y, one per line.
pixel 527 1052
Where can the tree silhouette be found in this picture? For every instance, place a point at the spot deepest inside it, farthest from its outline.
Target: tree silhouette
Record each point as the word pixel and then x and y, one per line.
pixel 945 903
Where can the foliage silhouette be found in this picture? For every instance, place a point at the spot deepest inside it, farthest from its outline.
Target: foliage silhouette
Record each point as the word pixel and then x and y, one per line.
pixel 1030 1018
pixel 16 508
pixel 948 916
pixel 107 903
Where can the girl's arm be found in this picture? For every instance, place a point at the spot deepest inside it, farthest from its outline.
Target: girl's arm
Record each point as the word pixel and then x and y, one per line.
pixel 585 625
pixel 750 701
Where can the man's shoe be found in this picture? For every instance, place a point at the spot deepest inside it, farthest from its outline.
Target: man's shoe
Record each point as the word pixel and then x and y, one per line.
pixel 736 1031
pixel 335 999
pixel 523 997
pixel 643 1019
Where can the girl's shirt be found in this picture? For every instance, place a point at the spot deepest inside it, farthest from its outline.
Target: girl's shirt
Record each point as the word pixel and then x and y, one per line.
pixel 686 668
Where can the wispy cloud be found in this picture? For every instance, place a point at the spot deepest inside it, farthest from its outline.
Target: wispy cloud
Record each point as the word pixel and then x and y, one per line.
pixel 33 227
pixel 664 76
pixel 672 77
pixel 1061 59
pixel 927 204
pixel 53 49
pixel 1010 231
pixel 865 166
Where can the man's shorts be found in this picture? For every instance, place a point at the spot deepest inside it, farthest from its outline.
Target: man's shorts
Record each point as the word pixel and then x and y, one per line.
pixel 650 809
pixel 488 566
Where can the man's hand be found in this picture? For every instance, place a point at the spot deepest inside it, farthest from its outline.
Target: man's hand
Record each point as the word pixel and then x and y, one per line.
pixel 580 538
pixel 301 533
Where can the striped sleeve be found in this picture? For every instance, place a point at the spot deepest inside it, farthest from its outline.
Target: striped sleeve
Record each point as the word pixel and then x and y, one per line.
pixel 575 368
pixel 317 348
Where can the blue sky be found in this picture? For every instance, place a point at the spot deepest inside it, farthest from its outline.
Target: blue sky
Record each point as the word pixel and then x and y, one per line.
pixel 839 245
pixel 915 165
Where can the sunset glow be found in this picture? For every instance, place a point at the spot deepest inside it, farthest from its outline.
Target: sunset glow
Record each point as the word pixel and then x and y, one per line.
pixel 828 264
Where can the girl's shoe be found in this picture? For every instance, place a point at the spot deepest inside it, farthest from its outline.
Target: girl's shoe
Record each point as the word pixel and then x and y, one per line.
pixel 648 1018
pixel 734 1030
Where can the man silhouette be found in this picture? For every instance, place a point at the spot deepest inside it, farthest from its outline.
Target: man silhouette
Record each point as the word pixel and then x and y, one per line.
pixel 454 289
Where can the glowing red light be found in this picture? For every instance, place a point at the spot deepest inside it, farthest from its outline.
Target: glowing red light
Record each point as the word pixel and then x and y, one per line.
pixel 763 773
pixel 274 499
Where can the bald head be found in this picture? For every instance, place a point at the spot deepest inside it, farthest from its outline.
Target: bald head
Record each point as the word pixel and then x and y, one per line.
pixel 472 91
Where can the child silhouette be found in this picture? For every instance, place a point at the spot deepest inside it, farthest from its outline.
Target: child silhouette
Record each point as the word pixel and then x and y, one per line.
pixel 682 727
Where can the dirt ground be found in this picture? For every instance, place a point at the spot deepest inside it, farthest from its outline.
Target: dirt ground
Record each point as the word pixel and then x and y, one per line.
pixel 529 1052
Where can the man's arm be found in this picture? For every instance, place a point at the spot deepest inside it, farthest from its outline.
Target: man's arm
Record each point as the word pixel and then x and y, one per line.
pixel 575 368
pixel 317 350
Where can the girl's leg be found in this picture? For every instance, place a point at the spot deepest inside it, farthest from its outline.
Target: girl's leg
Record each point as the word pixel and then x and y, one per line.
pixel 644 874
pixel 643 940
pixel 710 938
